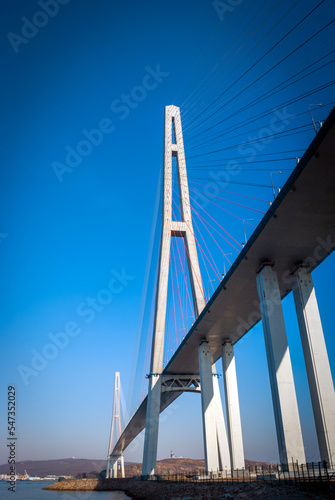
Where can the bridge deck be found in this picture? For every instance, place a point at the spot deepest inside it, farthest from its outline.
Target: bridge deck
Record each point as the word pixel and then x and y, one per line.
pixel 299 227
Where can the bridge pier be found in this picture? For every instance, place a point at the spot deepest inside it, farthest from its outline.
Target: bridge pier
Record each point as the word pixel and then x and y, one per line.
pixel 223 447
pixel 317 364
pixel 114 469
pixel 112 466
pixel 109 468
pixel 284 399
pixel 232 408
pixel 123 475
pixel 151 426
pixel 208 404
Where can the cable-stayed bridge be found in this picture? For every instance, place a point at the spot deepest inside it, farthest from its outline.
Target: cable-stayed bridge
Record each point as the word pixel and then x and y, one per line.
pixel 295 235
pixel 291 237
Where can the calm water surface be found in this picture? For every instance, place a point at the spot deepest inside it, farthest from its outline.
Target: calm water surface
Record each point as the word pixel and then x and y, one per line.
pixel 32 490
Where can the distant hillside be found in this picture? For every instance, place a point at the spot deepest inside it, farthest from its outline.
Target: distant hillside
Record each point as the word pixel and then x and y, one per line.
pixel 64 466
pixel 180 465
pixel 76 466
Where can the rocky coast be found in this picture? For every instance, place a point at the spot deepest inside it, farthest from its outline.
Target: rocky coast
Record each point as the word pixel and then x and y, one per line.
pixel 153 490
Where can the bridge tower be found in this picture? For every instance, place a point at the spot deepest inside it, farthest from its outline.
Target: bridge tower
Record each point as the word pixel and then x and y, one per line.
pixel 115 462
pixel 215 438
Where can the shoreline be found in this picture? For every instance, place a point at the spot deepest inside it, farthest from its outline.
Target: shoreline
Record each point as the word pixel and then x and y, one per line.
pixel 147 490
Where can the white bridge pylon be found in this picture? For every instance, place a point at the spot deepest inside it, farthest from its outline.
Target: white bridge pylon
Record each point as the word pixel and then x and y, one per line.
pixel 115 462
pixel 217 455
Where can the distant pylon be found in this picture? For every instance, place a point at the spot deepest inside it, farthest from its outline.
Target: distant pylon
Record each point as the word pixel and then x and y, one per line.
pixel 114 462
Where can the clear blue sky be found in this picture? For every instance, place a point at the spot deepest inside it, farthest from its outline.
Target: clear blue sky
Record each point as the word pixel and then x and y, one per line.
pixel 72 224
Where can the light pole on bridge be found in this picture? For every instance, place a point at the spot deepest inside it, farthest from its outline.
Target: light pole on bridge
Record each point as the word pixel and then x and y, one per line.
pixel 310 111
pixel 209 281
pixel 245 234
pixel 273 188
pixel 224 263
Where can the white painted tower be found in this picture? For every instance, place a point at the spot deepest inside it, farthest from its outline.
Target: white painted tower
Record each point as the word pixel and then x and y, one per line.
pixel 115 462
pixel 215 438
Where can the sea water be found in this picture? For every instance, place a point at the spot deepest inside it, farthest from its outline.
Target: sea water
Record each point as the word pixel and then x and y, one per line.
pixel 32 490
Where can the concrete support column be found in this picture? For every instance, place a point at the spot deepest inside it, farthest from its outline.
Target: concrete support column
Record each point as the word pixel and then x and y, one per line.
pixel 111 470
pixel 113 464
pixel 108 469
pixel 232 408
pixel 222 440
pixel 151 426
pixel 122 466
pixel 114 468
pixel 284 399
pixel 208 409
pixel 317 364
